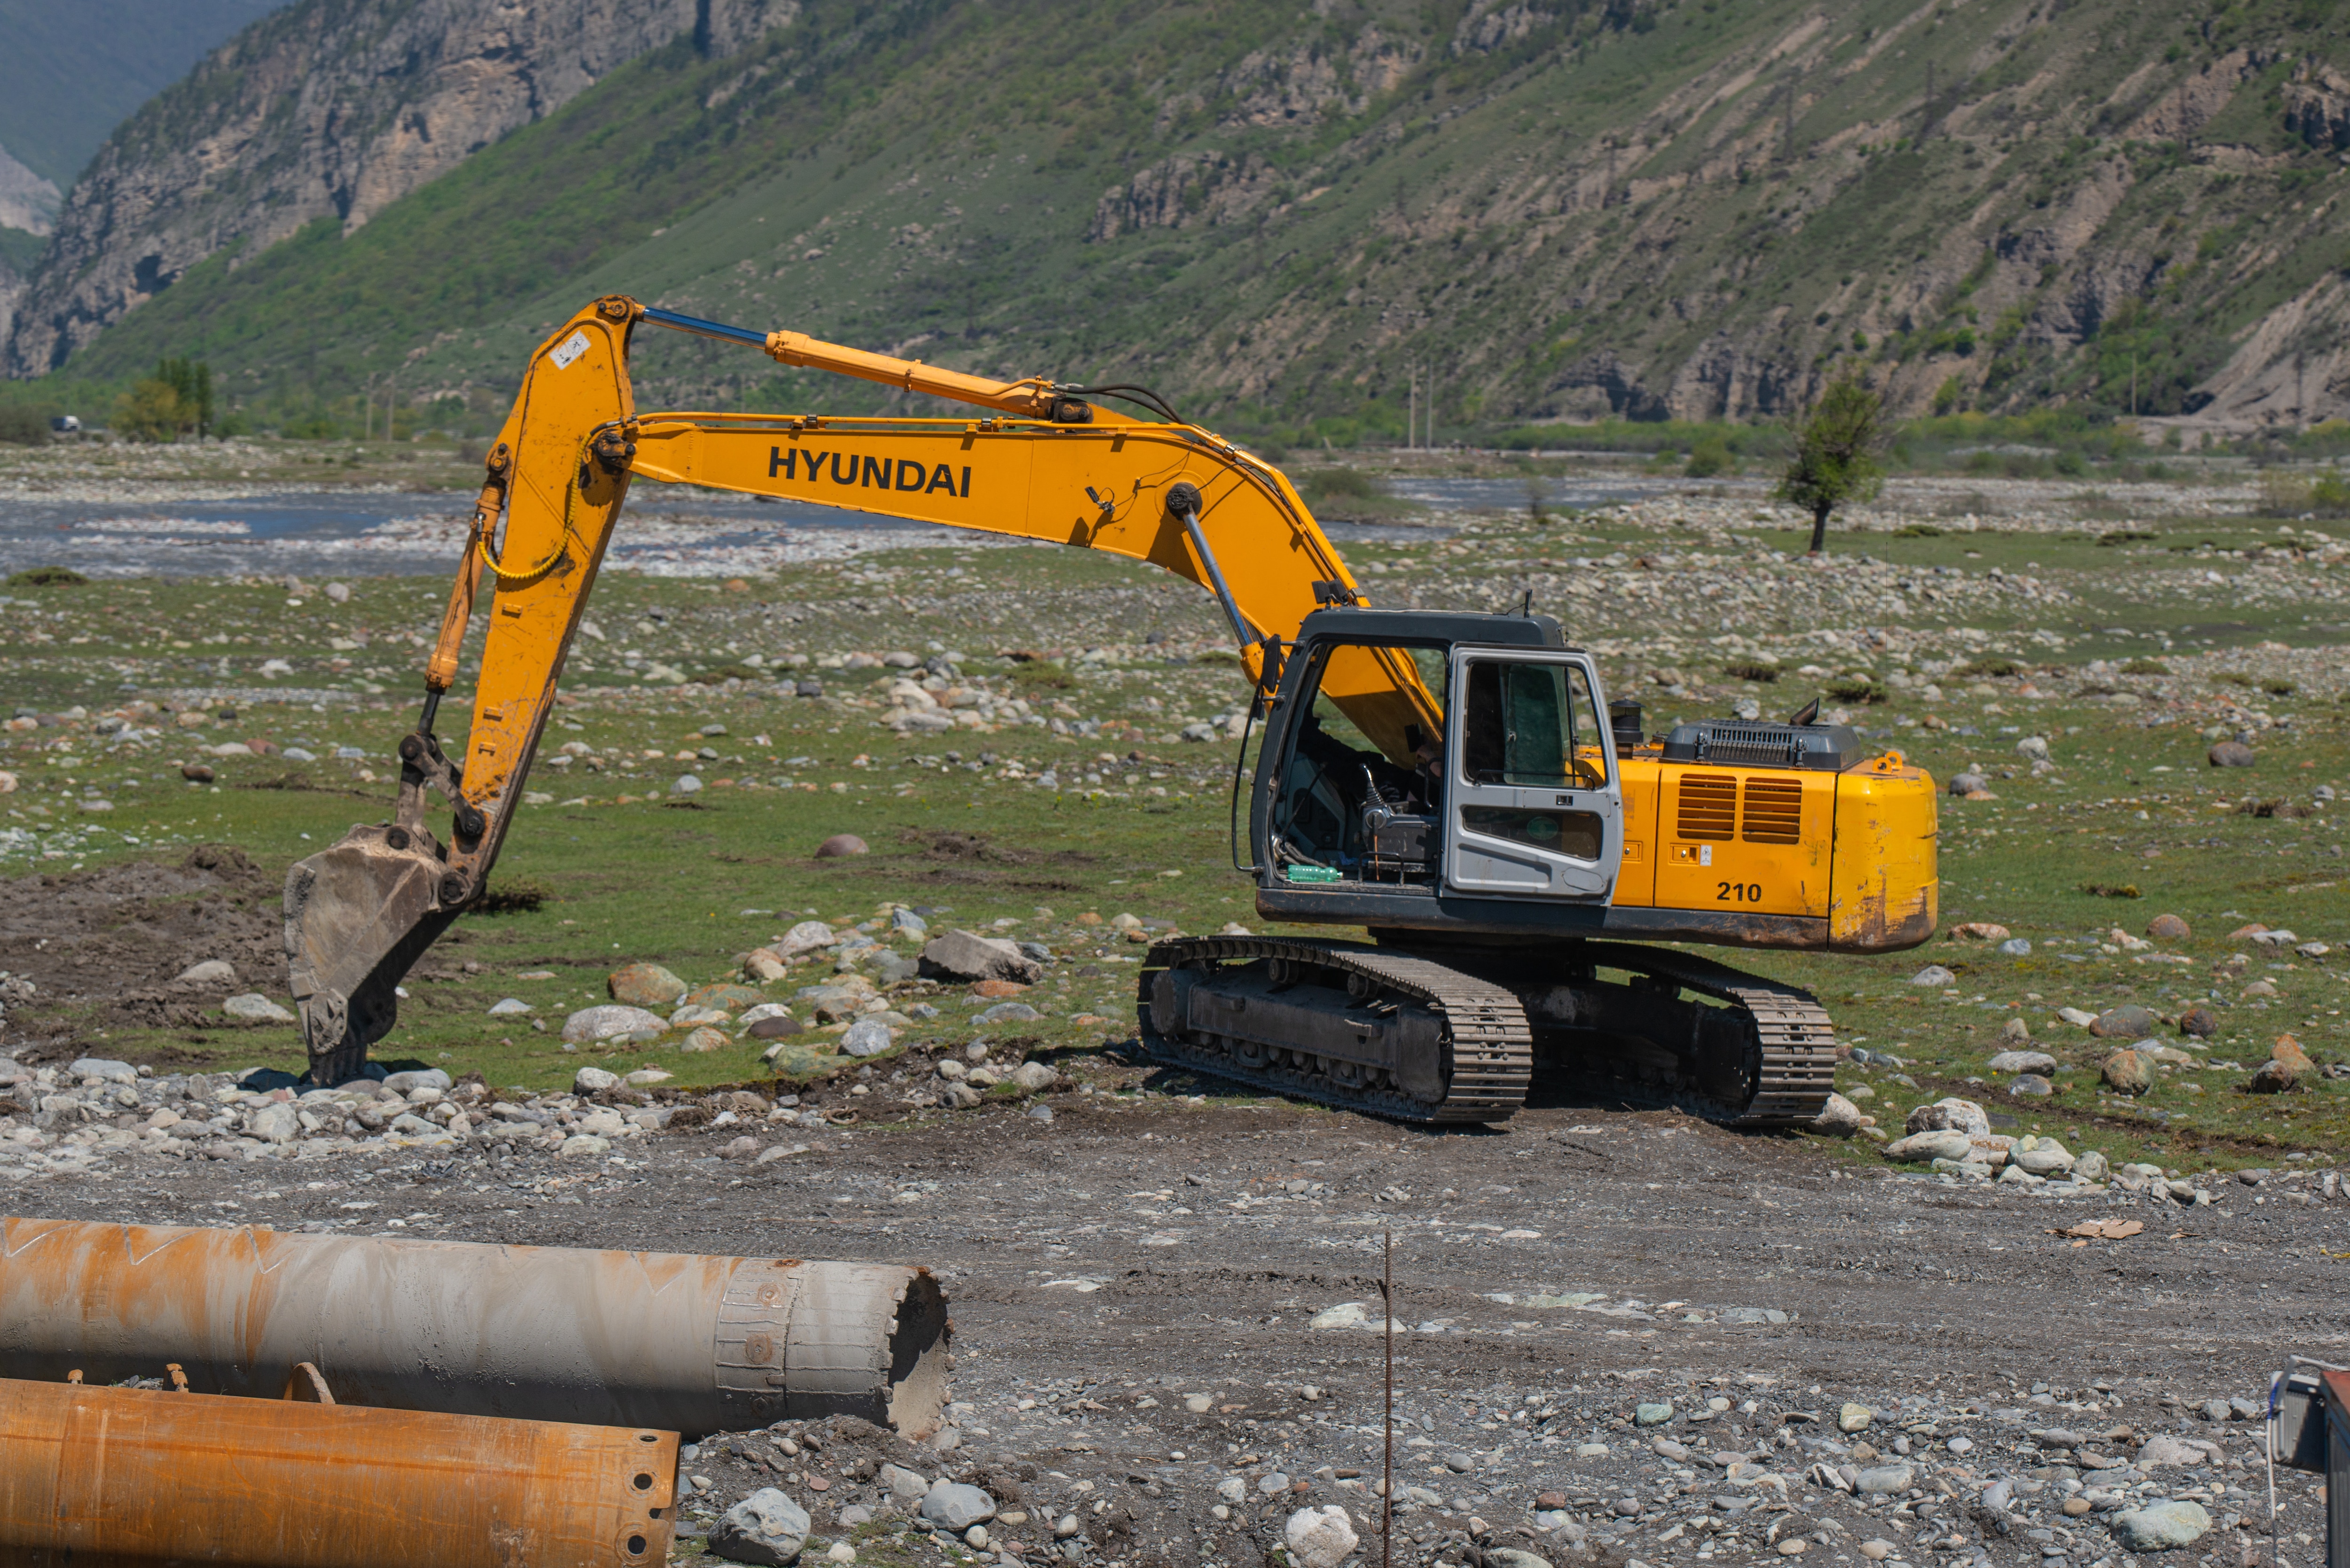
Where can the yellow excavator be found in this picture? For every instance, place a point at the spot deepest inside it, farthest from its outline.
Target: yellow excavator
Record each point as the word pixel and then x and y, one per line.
pixel 1457 785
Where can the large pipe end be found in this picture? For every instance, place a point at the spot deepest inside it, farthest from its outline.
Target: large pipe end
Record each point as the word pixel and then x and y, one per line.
pixel 801 1341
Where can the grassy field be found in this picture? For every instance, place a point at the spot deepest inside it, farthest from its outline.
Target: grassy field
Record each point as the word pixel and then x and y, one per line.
pixel 2128 647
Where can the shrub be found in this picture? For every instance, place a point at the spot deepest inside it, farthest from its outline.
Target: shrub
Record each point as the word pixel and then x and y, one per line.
pixel 24 426
pixel 1709 458
pixel 47 577
pixel 1750 669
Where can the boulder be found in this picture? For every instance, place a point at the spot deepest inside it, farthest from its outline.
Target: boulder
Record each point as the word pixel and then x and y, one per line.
pixel 908 1487
pixel 705 1039
pixel 2273 1077
pixel 2233 754
pixel 1322 1537
pixel 866 1037
pixel 2168 928
pixel 608 1021
pixel 839 845
pixel 2024 1062
pixel 1035 1078
pixel 2163 1526
pixel 644 985
pixel 2287 1053
pixel 2046 1157
pixel 2032 748
pixel 1932 974
pixel 1966 784
pixel 2091 1166
pixel 411 1081
pixel 1980 931
pixel 212 974
pixel 1923 1148
pixel 2015 1031
pixel 592 1081
pixel 255 1007
pixel 1007 1012
pixel 1838 1118
pixel 762 965
pixel 2160 1451
pixel 2199 1021
pixel 956 1506
pixel 2128 1022
pixel 1950 1113
pixel 2128 1073
pixel 104 1069
pixel 2036 1085
pixel 2016 946
pixel 804 938
pixel 965 958
pixel 1884 1480
pixel 765 1527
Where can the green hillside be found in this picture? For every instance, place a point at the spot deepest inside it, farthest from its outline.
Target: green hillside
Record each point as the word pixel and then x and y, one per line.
pixel 1685 209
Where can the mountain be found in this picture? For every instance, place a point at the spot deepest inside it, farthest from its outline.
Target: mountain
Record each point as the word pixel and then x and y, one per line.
pixel 1564 209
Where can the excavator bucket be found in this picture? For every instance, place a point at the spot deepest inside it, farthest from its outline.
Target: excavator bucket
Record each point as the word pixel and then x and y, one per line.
pixel 357 915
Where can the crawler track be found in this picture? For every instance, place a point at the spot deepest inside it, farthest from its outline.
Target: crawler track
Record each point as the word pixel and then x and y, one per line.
pixel 1488 1043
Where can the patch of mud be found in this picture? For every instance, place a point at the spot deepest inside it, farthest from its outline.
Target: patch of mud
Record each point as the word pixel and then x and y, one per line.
pixel 102 948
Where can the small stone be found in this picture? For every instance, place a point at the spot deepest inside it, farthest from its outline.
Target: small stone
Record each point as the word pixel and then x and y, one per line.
pixel 2288 1055
pixel 743 1148
pixel 976 1536
pixel 195 773
pixel 509 1007
pixel 2199 1021
pixel 766 1527
pixel 2168 928
pixel 685 784
pixel 1653 1415
pixel 2129 1022
pixel 2232 754
pixel 209 975
pixel 1233 1489
pixel 2164 1526
pixel 804 938
pixel 1883 1480
pixel 2015 1031
pixel 1032 1077
pixel 1966 783
pixel 1980 931
pixel 592 1081
pixel 1922 1149
pixel 2128 1073
pixel 839 846
pixel 2031 1086
pixel 2023 1061
pixel 1933 975
pixel 956 1506
pixel 607 1021
pixel 254 1007
pixel 909 1487
pixel 1320 1537
pixel 2032 748
pixel 644 985
pixel 1854 1418
pixel 2046 1157
pixel 1793 1546
pixel 105 1069
pixel 866 1037
pixel 1877 1551
pixel 842 1552
pixel 1272 1482
pixel 2273 1077
pixel 2016 946
pixel 1007 1012
pixel 1953 1114
pixel 1511 1557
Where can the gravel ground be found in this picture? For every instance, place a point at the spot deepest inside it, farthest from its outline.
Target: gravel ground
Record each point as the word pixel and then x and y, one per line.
pixel 1154 1299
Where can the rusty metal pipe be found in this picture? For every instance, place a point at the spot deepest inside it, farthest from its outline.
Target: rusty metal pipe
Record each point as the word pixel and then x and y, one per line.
pixel 113 1477
pixel 677 1341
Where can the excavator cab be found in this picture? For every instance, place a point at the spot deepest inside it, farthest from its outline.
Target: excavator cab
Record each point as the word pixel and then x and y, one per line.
pixel 1503 785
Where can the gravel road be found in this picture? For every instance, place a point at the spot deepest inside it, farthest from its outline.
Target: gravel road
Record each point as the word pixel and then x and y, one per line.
pixel 1144 1273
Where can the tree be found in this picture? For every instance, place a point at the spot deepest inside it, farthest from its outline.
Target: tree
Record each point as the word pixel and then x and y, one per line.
pixel 1839 445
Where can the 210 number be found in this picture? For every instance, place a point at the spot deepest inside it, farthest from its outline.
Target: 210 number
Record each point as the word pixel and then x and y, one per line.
pixel 1739 892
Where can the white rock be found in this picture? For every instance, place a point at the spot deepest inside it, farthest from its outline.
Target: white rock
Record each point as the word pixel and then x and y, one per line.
pixel 1838 1118
pixel 607 1020
pixel 592 1081
pixel 2024 1062
pixel 2163 1527
pixel 508 1007
pixel 1919 1148
pixel 766 1527
pixel 211 972
pixel 1952 1113
pixel 104 1069
pixel 956 1506
pixel 806 938
pixel 256 1007
pixel 1320 1537
pixel 1932 974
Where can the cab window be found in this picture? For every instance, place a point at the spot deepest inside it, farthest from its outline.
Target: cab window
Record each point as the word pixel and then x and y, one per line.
pixel 1531 726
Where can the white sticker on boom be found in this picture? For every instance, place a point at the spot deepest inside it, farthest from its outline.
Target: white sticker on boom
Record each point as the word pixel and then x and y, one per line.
pixel 1705 854
pixel 568 351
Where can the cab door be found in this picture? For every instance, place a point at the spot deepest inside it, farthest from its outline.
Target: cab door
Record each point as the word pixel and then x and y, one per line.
pixel 1534 807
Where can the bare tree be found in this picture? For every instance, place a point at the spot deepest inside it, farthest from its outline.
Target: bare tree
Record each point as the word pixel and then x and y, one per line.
pixel 1839 445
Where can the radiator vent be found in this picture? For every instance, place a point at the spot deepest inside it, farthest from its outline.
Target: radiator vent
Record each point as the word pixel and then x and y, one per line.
pixel 1774 811
pixel 1709 806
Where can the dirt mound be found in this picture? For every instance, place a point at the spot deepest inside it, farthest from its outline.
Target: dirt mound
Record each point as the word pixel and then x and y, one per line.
pixel 103 947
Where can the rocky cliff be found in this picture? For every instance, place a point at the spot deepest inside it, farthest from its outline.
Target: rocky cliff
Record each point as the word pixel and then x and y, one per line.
pixel 1557 209
pixel 330 109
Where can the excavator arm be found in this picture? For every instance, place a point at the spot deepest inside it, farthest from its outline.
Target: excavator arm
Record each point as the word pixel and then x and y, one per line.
pixel 1047 462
